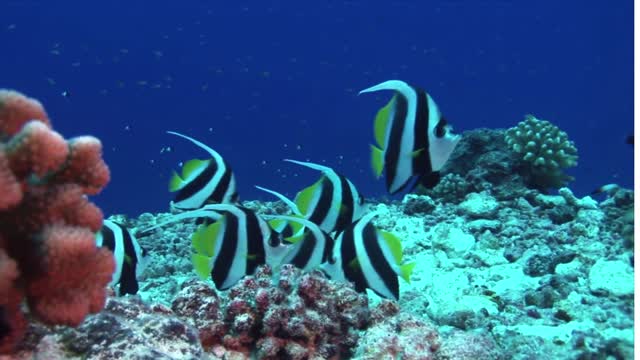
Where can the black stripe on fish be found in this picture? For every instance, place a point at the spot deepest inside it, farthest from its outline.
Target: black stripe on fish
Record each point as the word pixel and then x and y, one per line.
pixel 222 187
pixel 345 215
pixel 422 162
pixel 376 257
pixel 228 250
pixel 305 251
pixel 322 207
pixel 255 245
pixel 392 151
pixel 108 238
pixel 348 254
pixel 198 183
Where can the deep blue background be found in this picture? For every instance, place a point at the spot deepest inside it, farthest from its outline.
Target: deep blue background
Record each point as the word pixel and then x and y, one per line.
pixel 276 80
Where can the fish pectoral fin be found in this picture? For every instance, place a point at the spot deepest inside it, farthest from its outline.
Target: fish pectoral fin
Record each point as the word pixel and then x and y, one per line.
pixel 377 160
pixel 406 270
pixel 176 183
pixel 201 265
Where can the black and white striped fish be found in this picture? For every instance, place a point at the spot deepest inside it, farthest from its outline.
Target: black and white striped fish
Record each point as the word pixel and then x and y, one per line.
pixel 130 257
pixel 413 138
pixel 310 246
pixel 333 202
pixel 370 258
pixel 203 181
pixel 233 245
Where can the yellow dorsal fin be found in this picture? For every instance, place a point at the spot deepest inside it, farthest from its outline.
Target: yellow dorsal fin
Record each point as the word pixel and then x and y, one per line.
pixel 394 245
pixel 201 265
pixel 304 197
pixel 191 167
pixel 377 160
pixel 406 270
pixel 381 122
pixel 176 183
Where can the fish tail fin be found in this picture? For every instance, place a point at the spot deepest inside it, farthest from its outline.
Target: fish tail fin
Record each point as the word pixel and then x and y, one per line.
pixel 201 265
pixel 176 183
pixel 406 270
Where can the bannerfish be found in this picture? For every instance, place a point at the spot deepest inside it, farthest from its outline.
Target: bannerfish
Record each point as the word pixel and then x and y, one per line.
pixel 333 202
pixel 130 258
pixel 370 258
pixel 203 181
pixel 413 138
pixel 310 246
pixel 233 245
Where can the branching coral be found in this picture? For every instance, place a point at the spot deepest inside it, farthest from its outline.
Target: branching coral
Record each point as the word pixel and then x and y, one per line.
pixel 48 255
pixel 545 148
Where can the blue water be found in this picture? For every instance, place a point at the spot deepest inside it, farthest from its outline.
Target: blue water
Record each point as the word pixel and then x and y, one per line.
pixel 262 81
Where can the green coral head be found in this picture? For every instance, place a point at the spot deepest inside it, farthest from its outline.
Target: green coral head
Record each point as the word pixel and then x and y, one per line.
pixel 544 146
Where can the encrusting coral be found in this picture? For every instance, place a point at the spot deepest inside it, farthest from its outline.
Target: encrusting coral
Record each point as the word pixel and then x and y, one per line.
pixel 546 149
pixel 48 255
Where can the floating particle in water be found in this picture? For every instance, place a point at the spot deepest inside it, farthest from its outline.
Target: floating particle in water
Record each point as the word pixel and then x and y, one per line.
pixel 298 147
pixel 75 64
pixel 263 162
pixel 158 53
pixel 124 51
pixel 165 149
pixel 210 129
pixel 204 87
pixel 142 82
pixel 11 27
pixel 127 128
pixel 51 81
pixel 54 52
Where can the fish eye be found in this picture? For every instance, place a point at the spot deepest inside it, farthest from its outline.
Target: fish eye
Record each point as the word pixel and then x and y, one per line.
pixel 332 260
pixel 441 127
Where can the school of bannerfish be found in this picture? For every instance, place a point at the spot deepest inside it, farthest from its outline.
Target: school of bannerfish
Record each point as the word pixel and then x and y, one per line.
pixel 328 228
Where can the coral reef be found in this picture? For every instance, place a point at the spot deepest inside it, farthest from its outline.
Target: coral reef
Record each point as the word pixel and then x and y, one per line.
pixel 48 255
pixel 303 316
pixel 545 148
pixel 532 277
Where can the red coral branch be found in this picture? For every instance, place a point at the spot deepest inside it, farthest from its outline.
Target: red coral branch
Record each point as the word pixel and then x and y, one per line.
pixel 48 255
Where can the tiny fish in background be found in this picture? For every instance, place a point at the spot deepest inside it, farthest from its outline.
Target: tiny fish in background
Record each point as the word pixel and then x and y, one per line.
pixel 203 181
pixel 413 138
pixel 130 257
